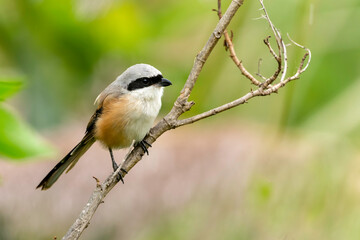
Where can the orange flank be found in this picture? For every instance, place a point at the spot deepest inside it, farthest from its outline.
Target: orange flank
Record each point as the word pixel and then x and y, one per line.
pixel 110 127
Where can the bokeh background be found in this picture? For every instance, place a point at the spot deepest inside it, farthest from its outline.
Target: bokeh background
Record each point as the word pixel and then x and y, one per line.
pixel 286 166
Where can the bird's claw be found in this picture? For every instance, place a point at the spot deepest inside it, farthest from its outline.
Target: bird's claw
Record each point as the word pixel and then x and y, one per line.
pixel 120 178
pixel 143 145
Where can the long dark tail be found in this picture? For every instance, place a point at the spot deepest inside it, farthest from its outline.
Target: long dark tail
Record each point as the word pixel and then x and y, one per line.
pixel 68 161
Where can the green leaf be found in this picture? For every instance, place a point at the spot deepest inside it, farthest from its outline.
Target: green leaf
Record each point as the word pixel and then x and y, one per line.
pixel 9 86
pixel 17 140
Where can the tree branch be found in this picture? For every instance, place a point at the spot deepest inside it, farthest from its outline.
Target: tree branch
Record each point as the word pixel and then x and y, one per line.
pixel 181 105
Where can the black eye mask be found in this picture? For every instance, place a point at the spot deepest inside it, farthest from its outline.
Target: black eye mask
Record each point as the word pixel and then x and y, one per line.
pixel 144 82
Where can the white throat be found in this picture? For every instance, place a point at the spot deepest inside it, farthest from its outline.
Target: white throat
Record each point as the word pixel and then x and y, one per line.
pixel 149 99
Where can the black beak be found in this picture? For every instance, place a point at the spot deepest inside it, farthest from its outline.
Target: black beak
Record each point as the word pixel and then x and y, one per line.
pixel 164 82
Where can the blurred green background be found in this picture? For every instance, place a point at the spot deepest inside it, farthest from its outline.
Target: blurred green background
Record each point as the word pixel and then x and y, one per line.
pixel 299 176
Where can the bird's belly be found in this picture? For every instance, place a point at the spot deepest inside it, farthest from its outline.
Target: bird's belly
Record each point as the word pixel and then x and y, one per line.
pixel 112 134
pixel 139 127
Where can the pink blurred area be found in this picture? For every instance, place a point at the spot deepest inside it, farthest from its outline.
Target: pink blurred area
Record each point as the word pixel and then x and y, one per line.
pixel 181 164
pixel 184 165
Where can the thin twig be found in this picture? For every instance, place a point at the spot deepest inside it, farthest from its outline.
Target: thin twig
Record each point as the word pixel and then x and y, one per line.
pixel 271 79
pixel 230 47
pixel 259 72
pixel 307 50
pixel 267 43
pixel 281 48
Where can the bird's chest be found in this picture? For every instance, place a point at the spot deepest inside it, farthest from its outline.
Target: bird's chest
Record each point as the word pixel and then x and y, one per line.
pixel 126 120
pixel 142 117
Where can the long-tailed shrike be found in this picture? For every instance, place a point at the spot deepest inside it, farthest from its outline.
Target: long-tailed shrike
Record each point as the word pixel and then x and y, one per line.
pixel 125 112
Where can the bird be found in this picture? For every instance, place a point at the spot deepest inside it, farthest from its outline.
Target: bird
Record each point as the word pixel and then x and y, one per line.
pixel 125 112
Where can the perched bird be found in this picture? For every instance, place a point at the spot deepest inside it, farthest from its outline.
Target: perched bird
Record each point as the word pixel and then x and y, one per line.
pixel 125 112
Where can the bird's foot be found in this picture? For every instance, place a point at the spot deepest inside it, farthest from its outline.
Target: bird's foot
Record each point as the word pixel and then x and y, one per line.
pixel 118 177
pixel 143 145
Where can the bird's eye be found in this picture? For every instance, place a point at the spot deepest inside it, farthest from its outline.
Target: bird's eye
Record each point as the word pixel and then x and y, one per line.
pixel 146 81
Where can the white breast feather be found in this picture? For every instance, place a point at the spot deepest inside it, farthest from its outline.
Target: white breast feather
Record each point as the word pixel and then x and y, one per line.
pixel 146 104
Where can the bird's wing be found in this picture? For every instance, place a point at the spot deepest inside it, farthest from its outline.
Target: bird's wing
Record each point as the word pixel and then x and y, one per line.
pixel 108 93
pixel 113 89
pixel 91 125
